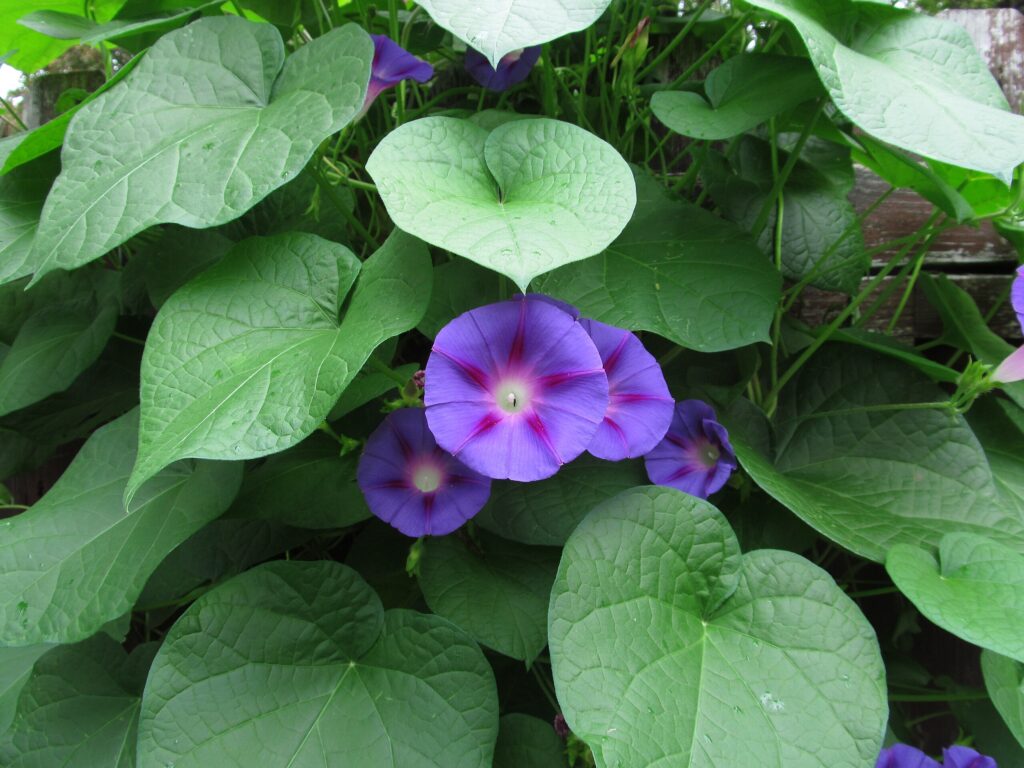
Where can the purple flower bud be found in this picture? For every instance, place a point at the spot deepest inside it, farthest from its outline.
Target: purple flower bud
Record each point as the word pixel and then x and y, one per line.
pixel 391 65
pixel 515 389
pixel 412 484
pixel 695 456
pixel 965 757
pixel 902 756
pixel 513 68
pixel 561 727
pixel 639 404
pixel 419 378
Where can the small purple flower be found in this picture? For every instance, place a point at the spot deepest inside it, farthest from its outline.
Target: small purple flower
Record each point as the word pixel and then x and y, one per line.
pixel 639 405
pixel 412 484
pixel 513 68
pixel 515 389
pixel 695 456
pixel 903 756
pixel 1012 368
pixel 965 757
pixel 391 65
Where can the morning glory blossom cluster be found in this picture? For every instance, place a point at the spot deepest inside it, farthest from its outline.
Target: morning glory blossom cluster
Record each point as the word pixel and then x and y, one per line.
pixel 515 391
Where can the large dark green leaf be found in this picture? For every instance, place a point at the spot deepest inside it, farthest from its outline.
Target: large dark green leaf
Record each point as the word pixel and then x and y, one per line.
pixel 199 132
pixel 79 558
pixel 1004 679
pixel 494 589
pixel 22 194
pixel 669 647
pixel 527 742
pixel 79 708
pixel 248 358
pixel 867 472
pixel 308 486
pixel 677 271
pixel 546 512
pixel 16 666
pixel 318 674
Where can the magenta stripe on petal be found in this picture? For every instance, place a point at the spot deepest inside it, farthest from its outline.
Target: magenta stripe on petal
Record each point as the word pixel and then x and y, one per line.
pixel 539 398
pixel 640 406
pixel 388 470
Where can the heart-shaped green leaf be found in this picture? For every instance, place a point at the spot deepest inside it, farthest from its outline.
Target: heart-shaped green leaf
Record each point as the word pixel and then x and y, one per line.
pixel 318 674
pixel 308 486
pixel 79 707
pixel 669 647
pixel 248 358
pixel 743 92
pixel 909 79
pixel 677 271
pixel 546 512
pixel 494 589
pixel 1004 680
pixel 199 132
pixel 78 558
pixel 523 199
pixel 859 459
pixel 974 589
pixel 497 27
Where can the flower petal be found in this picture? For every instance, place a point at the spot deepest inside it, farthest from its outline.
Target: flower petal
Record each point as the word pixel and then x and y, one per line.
pixel 1011 369
pixel 1017 295
pixel 686 458
pixel 903 756
pixel 965 757
pixel 640 407
pixel 513 67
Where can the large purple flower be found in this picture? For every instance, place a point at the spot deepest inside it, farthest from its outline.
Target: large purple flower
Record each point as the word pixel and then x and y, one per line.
pixel 903 756
pixel 512 68
pixel 639 404
pixel 515 389
pixel 1012 368
pixel 391 65
pixel 412 484
pixel 695 456
pixel 965 757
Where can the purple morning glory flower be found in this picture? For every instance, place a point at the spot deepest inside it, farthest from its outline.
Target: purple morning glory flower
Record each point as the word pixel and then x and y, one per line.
pixel 639 405
pixel 412 484
pixel 512 68
pixel 903 756
pixel 391 65
pixel 695 456
pixel 965 757
pixel 1012 368
pixel 515 389
pixel 565 306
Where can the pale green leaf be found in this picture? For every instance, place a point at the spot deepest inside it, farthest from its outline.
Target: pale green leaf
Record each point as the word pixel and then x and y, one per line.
pixel 546 512
pixel 496 590
pixel 32 50
pixel 677 271
pixel 523 199
pixel 79 708
pixel 973 587
pixel 78 559
pixel 743 92
pixel 527 742
pixel 199 132
pixel 1004 679
pixel 248 358
pixel 669 647
pixel 308 486
pixel 864 470
pixel 22 194
pixel 908 79
pixel 318 674
pixel 498 27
